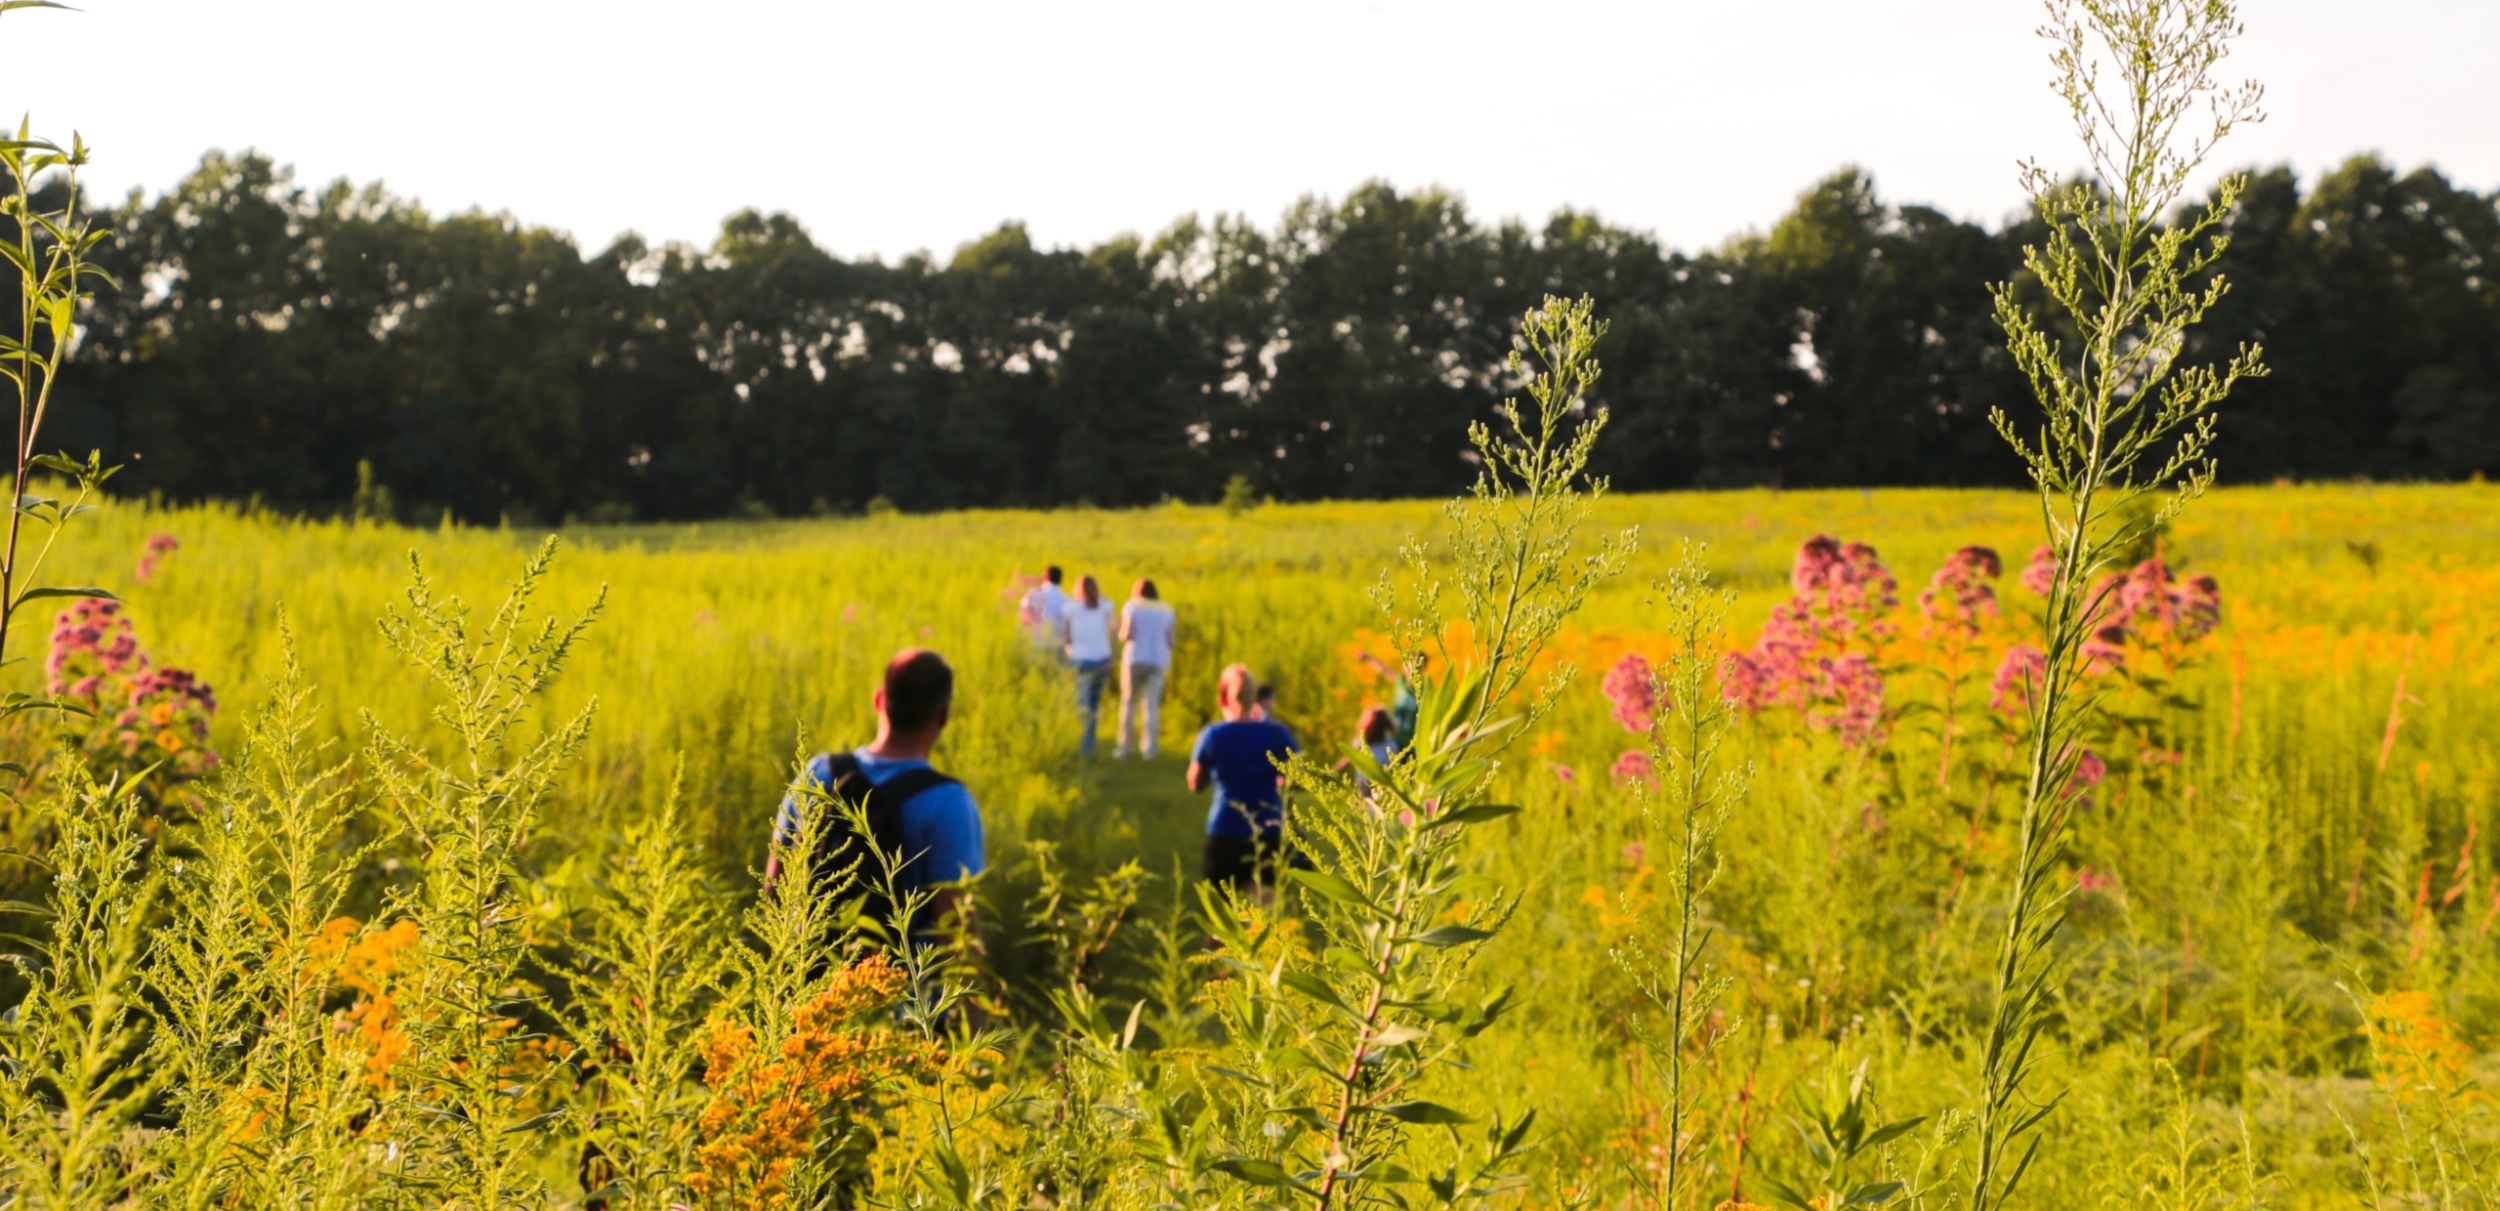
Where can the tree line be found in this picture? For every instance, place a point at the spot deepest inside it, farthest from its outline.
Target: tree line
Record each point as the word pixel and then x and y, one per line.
pixel 320 349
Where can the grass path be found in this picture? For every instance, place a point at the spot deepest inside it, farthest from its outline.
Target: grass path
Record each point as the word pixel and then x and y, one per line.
pixel 1134 808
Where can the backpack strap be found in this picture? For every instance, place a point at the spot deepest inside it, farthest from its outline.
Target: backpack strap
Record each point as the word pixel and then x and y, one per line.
pixel 882 802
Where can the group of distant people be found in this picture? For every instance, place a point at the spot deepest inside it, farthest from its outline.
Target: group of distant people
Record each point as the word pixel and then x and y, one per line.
pixel 932 820
pixel 1236 757
pixel 1081 629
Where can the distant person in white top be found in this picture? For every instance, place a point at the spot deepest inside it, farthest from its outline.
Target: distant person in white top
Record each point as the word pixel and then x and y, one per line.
pixel 1146 627
pixel 1044 610
pixel 1086 636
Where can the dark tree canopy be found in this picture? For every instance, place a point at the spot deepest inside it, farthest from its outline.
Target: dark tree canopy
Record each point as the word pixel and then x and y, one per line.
pixel 265 340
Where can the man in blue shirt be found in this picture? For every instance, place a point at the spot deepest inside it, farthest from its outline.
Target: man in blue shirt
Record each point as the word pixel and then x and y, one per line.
pixel 1246 823
pixel 925 816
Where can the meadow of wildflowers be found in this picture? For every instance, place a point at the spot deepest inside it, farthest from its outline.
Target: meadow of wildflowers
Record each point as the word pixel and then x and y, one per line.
pixel 2279 984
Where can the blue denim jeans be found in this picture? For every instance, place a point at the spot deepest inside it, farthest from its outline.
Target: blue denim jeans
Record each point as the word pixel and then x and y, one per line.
pixel 1091 675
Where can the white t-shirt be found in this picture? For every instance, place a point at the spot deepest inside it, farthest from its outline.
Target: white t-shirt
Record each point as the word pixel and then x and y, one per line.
pixel 1149 632
pixel 1089 630
pixel 1045 607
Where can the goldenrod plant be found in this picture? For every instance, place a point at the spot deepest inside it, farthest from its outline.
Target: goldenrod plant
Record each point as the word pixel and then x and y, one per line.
pixel 645 978
pixel 74 1078
pixel 270 1097
pixel 479 1084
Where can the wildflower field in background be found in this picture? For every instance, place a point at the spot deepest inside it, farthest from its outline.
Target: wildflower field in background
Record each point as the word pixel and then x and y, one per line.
pixel 2283 977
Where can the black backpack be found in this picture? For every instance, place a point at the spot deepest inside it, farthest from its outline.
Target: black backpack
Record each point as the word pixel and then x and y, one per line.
pixel 837 840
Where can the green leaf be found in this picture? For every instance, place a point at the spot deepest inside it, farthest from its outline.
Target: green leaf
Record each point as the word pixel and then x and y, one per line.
pixel 1451 935
pixel 1313 987
pixel 50 591
pixel 65 706
pixel 1361 759
pixel 1510 1140
pixel 1890 1132
pixel 1258 1172
pixel 1783 1193
pixel 1236 1075
pixel 1295 1057
pixel 1398 1034
pixel 1332 886
pixel 1477 814
pixel 534 1122
pixel 1873 1194
pixel 1443 1012
pixel 1423 1113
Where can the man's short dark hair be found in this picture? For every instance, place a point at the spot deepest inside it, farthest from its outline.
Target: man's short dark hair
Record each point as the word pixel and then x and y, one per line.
pixel 1052 573
pixel 918 688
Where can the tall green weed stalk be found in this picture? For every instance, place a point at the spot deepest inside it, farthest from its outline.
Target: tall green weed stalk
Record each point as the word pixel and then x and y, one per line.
pixel 47 249
pixel 1344 1022
pixel 2123 421
pixel 1667 953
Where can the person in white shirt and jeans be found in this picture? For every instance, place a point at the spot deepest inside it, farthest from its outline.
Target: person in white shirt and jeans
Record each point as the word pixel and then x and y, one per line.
pixel 1086 636
pixel 1146 627
pixel 1044 610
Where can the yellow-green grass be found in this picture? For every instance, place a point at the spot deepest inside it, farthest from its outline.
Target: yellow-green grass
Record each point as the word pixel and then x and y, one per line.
pixel 2285 854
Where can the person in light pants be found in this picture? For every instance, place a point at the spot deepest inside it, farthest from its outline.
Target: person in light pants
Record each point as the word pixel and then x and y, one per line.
pixel 1146 629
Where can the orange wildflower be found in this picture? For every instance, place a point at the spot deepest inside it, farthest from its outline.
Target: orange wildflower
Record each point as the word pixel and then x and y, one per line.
pixel 367 963
pixel 2418 1050
pixel 771 1107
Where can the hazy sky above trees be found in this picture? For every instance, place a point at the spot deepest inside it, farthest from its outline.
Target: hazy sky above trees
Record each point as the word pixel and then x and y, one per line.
pixel 892 127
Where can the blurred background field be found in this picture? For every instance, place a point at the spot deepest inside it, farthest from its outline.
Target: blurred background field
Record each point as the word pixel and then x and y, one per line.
pixel 2275 861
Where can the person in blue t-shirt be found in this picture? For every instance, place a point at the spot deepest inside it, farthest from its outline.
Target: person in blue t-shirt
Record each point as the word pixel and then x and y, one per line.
pixel 1246 823
pixel 936 827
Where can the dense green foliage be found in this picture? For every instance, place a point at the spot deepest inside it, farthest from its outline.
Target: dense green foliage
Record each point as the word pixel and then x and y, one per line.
pixel 267 338
pixel 2219 900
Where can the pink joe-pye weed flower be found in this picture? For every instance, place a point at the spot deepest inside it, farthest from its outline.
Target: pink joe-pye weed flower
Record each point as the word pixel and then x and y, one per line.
pixel 1813 652
pixel 2018 678
pixel 2106 649
pixel 1741 682
pixel 1633 689
pixel 1636 765
pixel 1856 688
pixel 2089 772
pixel 2041 573
pixel 159 546
pixel 1959 594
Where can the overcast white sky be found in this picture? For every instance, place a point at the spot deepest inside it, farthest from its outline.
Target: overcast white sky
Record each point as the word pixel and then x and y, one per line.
pixel 889 127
